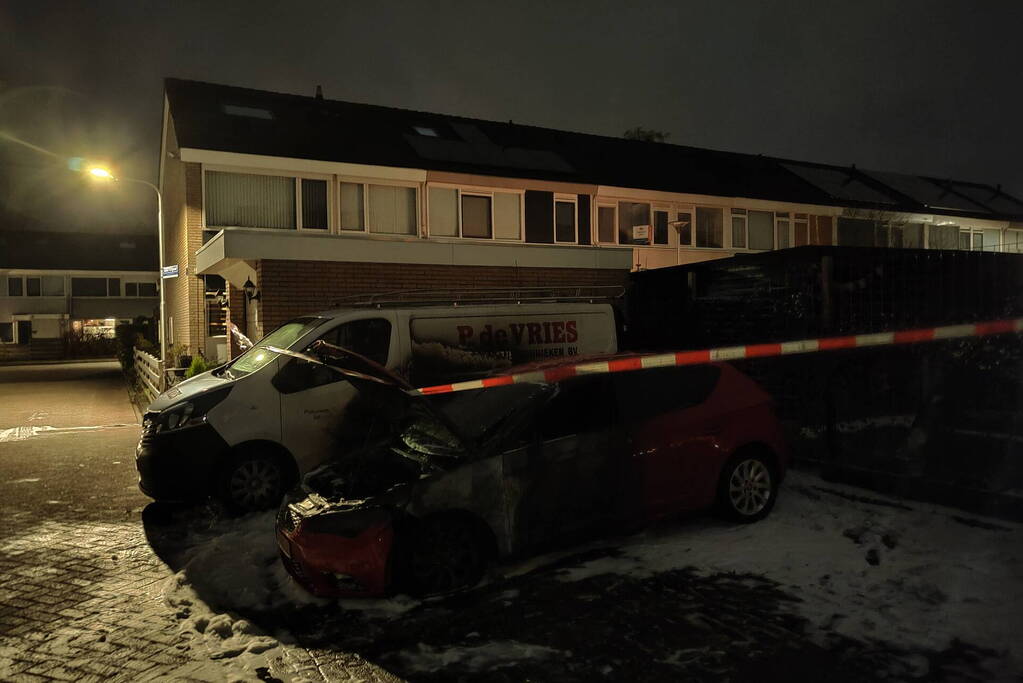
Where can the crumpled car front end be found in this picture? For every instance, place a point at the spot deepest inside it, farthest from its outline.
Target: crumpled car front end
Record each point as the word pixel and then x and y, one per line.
pixel 337 549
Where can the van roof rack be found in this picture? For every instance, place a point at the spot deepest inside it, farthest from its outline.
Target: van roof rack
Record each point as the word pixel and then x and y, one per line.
pixel 468 297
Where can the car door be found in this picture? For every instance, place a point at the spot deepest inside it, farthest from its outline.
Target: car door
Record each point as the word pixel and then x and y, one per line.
pixel 574 479
pixel 315 399
pixel 673 435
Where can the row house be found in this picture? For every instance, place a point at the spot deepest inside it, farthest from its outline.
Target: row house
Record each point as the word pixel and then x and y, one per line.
pixel 302 201
pixel 53 283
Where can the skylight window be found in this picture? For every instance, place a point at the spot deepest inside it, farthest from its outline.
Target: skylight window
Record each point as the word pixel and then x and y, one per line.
pixel 248 112
pixel 427 131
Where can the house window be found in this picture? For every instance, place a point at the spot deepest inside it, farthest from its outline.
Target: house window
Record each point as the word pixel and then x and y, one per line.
pixel 443 212
pixel 250 201
pixel 392 210
pixel 113 286
pixel 6 333
pixel 685 228
pixel 248 112
pixel 941 236
pixel 15 286
pixel 53 285
pixel 631 215
pixel 89 286
pixel 992 240
pixel 761 230
pixel 739 228
pixel 314 204
pixel 140 289
pixel 855 232
pixel 148 289
pixel 216 305
pixel 564 221
pixel 606 224
pixel 477 216
pixel 709 227
pixel 33 286
pixel 783 228
pixel 800 229
pixel 661 227
pixel 426 131
pixel 1012 243
pixel 353 207
pixel 507 216
pixel 131 289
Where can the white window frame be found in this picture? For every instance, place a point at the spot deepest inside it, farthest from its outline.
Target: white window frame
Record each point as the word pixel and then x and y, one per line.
pixel 664 208
pixel 742 214
pixel 481 191
pixel 367 218
pixel 596 217
pixel 125 283
pixel 726 230
pixel 7 287
pixel 676 209
pixel 477 193
pixel 805 220
pixel 565 199
pixel 787 217
pixel 281 173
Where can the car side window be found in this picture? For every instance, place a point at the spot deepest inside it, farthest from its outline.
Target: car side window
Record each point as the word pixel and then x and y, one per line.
pixel 370 337
pixel 646 393
pixel 581 405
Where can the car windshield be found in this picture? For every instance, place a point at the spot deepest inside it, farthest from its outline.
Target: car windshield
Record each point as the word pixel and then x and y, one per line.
pixel 283 337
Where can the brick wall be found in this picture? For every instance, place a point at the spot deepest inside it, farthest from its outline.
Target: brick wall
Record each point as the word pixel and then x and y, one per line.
pixel 291 288
pixel 182 192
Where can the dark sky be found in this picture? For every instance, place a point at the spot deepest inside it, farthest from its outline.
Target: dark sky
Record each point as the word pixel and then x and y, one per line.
pixel 928 87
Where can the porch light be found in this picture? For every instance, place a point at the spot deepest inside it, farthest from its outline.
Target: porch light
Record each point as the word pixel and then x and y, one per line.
pixel 250 290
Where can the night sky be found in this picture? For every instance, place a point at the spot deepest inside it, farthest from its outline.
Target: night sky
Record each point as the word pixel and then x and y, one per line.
pixel 926 87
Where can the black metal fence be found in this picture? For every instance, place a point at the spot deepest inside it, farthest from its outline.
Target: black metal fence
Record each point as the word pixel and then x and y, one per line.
pixel 942 420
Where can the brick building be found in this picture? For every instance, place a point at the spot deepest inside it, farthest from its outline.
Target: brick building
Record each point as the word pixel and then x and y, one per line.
pixel 311 200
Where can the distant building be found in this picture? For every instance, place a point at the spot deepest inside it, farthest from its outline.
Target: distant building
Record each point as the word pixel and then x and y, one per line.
pixel 310 200
pixel 53 282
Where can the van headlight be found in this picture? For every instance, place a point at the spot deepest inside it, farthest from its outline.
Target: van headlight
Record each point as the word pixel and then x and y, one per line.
pixel 190 413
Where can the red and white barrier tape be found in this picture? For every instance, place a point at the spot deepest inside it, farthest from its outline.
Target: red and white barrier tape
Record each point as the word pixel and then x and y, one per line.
pixel 725 353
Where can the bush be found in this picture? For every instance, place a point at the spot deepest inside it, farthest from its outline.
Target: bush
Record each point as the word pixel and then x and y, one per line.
pixel 131 336
pixel 197 367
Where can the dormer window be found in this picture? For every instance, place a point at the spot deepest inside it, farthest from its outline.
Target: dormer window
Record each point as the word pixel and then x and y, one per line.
pixel 427 131
pixel 248 112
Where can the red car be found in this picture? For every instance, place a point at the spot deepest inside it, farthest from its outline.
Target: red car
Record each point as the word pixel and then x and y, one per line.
pixel 463 478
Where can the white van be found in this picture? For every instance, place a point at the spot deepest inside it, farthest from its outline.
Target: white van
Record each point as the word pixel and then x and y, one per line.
pixel 245 431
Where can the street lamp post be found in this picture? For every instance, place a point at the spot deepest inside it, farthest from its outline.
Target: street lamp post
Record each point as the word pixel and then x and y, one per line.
pixel 100 172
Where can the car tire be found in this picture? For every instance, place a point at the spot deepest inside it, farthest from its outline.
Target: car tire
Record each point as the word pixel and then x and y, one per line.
pixel 253 481
pixel 443 554
pixel 748 486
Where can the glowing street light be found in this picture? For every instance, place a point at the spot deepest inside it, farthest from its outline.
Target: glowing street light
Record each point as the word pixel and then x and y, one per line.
pixel 104 173
pixel 100 172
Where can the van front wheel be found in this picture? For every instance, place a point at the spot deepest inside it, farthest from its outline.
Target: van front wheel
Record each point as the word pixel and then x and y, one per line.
pixel 254 481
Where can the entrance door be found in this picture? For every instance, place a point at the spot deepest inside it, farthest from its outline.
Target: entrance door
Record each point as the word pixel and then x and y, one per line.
pixel 24 331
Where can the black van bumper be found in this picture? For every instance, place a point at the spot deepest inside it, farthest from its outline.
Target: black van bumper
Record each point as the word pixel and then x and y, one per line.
pixel 179 465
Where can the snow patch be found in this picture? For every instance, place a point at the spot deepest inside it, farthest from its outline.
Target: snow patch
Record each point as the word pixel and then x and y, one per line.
pixel 864 567
pixel 483 657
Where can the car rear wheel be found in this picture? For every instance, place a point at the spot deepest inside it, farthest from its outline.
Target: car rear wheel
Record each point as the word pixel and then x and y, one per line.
pixel 446 554
pixel 253 482
pixel 748 487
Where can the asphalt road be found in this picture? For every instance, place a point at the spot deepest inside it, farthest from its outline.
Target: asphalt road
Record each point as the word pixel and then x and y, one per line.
pixel 67 442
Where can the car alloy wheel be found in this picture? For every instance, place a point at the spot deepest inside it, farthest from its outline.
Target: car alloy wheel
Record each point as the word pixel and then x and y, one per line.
pixel 750 487
pixel 446 556
pixel 254 483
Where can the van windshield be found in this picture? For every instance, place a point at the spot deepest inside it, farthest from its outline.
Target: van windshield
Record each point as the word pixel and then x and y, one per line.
pixel 283 337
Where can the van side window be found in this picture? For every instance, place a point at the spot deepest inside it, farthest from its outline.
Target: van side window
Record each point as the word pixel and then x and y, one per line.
pixel 370 338
pixel 581 406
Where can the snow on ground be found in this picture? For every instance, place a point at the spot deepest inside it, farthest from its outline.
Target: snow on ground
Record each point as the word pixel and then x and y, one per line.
pixel 913 574
pixel 864 566
pixel 233 566
pixel 483 657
